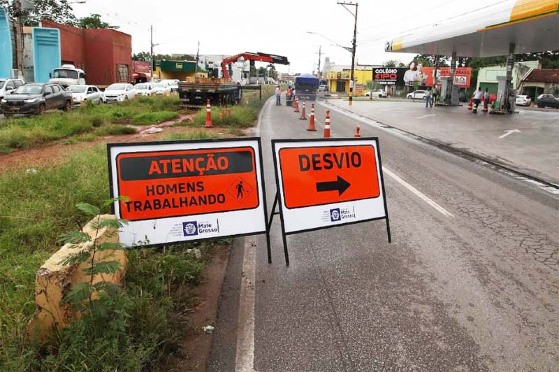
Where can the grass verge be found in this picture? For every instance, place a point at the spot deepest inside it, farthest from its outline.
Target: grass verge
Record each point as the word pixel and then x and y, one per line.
pixel 93 120
pixel 36 206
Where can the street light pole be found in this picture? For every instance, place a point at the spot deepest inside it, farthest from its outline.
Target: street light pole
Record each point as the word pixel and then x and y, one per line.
pixel 354 46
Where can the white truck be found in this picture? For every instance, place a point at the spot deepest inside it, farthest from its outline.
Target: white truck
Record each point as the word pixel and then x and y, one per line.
pixel 67 75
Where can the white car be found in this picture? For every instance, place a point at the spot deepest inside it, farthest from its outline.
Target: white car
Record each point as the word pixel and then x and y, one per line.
pixel 119 92
pixel 82 93
pixel 144 89
pixel 7 86
pixel 418 94
pixel 161 88
pixel 523 100
pixel 379 93
pixel 173 84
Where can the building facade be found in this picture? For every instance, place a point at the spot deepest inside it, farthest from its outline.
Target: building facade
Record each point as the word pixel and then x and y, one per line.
pixel 104 54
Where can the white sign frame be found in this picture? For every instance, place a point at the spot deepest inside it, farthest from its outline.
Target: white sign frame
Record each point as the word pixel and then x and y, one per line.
pixel 302 219
pixel 167 230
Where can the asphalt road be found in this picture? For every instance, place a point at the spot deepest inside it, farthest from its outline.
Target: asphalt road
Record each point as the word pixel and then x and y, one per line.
pixel 472 285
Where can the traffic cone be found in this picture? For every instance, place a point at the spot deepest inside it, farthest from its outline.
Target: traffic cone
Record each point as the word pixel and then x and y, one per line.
pixel 303 112
pixel 470 105
pixel 209 123
pixel 327 125
pixel 357 132
pixel 311 127
pixel 296 104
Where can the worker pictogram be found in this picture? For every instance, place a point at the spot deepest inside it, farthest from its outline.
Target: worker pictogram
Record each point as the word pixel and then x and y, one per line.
pixel 240 189
pixel 188 190
pixel 328 182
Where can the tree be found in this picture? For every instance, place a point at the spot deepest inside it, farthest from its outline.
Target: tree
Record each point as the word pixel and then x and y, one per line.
pixel 57 10
pixel 393 63
pixel 94 21
pixel 145 56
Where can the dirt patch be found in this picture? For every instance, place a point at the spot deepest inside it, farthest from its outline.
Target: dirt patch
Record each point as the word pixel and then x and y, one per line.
pixel 55 152
pixel 194 349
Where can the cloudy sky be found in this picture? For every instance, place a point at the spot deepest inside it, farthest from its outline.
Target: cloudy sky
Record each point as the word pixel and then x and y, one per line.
pixel 277 27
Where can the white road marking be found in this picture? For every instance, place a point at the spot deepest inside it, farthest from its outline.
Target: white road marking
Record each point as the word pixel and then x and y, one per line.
pixel 425 116
pixel 244 359
pixel 418 193
pixel 510 132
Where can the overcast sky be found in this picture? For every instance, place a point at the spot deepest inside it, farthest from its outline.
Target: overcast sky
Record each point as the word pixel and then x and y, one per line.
pixel 277 27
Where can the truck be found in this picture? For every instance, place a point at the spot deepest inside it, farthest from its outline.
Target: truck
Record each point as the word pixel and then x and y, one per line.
pixel 67 75
pixel 195 93
pixel 221 91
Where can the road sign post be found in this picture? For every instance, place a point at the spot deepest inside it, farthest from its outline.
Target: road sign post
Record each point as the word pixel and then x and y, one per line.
pixel 188 190
pixel 327 183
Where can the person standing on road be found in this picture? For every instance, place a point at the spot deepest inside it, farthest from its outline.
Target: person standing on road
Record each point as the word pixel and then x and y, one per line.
pixel 477 99
pixel 428 98
pixel 485 99
pixel 435 93
pixel 278 96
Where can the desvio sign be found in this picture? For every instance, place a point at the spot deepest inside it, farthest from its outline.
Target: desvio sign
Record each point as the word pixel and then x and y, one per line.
pixel 326 183
pixel 189 190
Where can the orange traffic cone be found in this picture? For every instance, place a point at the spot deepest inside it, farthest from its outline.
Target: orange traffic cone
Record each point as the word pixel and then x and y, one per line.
pixel 470 105
pixel 296 104
pixel 357 132
pixel 311 127
pixel 303 112
pixel 209 123
pixel 327 125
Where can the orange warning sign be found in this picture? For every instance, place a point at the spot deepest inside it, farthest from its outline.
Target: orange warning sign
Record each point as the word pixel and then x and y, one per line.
pixel 328 174
pixel 186 182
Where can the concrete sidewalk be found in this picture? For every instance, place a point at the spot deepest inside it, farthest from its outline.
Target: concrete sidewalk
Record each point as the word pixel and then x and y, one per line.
pixel 527 142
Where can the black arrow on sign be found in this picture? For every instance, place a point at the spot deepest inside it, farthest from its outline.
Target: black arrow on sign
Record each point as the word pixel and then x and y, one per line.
pixel 339 185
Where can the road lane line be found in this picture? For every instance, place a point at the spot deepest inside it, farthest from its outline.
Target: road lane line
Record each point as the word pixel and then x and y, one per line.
pixel 425 116
pixel 509 132
pixel 244 359
pixel 418 193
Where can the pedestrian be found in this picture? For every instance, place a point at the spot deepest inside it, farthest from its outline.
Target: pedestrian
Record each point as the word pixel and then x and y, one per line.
pixel 288 96
pixel 239 92
pixel 485 99
pixel 478 95
pixel 435 94
pixel 278 96
pixel 428 98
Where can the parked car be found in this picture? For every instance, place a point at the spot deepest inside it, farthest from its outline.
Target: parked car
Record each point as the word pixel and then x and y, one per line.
pixel 7 86
pixel 523 100
pixel 418 94
pixel 547 100
pixel 144 89
pixel 379 93
pixel 322 88
pixel 162 88
pixel 119 92
pixel 173 84
pixel 35 98
pixel 83 93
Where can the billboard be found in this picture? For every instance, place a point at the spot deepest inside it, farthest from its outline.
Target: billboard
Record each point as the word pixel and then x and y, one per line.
pixel 389 75
pixel 462 76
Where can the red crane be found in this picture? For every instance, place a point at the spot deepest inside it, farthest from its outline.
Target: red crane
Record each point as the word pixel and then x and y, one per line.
pixel 248 56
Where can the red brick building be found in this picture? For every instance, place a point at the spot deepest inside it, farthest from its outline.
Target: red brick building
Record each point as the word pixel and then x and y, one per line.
pixel 104 54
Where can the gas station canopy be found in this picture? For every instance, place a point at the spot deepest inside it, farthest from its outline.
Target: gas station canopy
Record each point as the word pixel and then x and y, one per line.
pixel 532 25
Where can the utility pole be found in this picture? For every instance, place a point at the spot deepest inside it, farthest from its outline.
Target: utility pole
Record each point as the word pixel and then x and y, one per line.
pixel 18 28
pixel 151 45
pixel 354 45
pixel 319 58
pixel 197 59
